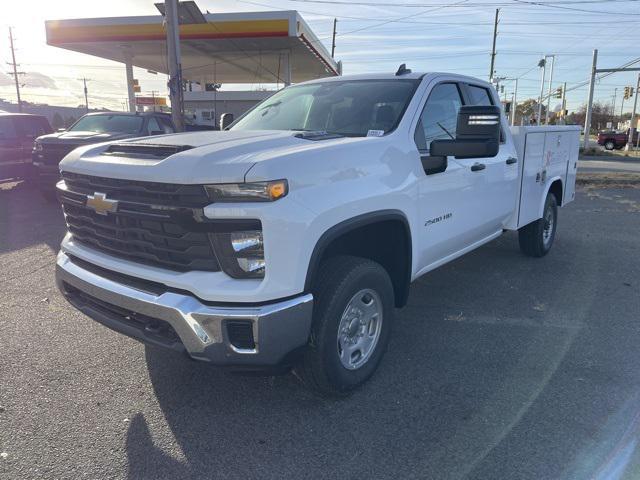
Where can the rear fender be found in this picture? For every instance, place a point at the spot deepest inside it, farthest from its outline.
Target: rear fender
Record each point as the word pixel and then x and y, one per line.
pixel 546 192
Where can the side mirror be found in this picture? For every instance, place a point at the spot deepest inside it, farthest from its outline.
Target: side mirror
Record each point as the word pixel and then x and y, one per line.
pixel 226 119
pixel 477 134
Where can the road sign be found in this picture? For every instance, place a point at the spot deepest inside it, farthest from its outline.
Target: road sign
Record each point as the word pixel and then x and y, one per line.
pixel 151 101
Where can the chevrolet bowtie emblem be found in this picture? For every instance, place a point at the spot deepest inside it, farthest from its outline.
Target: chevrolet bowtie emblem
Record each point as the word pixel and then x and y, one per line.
pixel 101 204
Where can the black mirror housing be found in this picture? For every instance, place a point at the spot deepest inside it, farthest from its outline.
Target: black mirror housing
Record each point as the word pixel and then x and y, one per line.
pixel 434 164
pixel 226 119
pixel 477 134
pixel 468 148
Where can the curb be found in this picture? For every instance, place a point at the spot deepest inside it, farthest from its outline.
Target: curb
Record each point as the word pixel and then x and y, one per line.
pixel 609 179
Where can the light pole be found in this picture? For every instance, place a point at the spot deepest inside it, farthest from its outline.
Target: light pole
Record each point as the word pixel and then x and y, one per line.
pixel 546 115
pixel 543 65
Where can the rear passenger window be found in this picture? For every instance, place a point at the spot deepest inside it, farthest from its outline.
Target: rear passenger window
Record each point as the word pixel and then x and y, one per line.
pixel 479 95
pixel 153 127
pixel 439 117
pixel 32 127
pixel 167 126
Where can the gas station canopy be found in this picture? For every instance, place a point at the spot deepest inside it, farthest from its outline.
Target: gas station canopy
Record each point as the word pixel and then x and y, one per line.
pixel 255 47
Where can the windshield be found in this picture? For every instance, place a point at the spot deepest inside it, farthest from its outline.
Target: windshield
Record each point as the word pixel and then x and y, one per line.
pixel 349 108
pixel 108 123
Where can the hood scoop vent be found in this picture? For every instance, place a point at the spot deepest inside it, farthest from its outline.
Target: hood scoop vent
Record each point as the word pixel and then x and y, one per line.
pixel 147 151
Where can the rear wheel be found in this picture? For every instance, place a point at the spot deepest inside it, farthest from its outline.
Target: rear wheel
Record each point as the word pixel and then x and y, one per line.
pixel 537 238
pixel 353 309
pixel 609 145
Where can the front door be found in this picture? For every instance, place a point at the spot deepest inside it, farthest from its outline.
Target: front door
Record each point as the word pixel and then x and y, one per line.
pixel 450 209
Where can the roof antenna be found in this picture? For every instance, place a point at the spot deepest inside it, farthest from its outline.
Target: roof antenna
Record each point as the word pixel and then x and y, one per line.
pixel 403 70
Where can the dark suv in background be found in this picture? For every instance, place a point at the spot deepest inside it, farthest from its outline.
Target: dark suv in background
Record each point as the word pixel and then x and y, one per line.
pixel 48 150
pixel 17 133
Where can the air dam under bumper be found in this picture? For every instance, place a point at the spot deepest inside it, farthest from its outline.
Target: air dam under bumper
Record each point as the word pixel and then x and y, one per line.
pixel 202 330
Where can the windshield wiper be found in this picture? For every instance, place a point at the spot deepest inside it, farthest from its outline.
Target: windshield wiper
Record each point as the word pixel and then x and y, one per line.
pixel 309 134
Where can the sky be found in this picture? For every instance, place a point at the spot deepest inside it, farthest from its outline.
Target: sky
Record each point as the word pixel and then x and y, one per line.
pixel 372 36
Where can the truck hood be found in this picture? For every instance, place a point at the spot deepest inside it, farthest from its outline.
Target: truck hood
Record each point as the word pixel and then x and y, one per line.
pixel 209 156
pixel 81 138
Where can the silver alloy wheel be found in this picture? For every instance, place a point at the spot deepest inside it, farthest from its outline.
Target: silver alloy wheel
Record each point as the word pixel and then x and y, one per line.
pixel 359 329
pixel 549 225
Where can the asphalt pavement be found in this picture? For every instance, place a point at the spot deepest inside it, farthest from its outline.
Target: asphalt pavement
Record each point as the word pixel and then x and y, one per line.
pixel 609 163
pixel 501 367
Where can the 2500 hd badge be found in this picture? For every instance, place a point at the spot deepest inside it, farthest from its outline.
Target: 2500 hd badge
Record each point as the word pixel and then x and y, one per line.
pixel 446 216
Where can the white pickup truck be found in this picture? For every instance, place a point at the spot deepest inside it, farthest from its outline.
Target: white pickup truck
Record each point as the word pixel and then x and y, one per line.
pixel 288 239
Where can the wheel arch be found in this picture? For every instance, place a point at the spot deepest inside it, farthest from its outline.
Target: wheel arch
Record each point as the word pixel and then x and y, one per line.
pixel 343 238
pixel 556 186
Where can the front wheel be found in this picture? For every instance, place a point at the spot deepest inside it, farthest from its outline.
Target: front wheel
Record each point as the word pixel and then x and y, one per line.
pixel 609 145
pixel 353 309
pixel 537 238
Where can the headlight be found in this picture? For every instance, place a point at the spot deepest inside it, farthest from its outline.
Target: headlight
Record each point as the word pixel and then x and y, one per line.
pixel 248 192
pixel 240 253
pixel 37 147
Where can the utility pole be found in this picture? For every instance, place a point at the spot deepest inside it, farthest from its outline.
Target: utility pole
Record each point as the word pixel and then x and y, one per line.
pixel 564 102
pixel 493 49
pixel 632 127
pixel 613 108
pixel 546 115
pixel 15 72
pixel 543 65
pixel 514 107
pixel 86 93
pixel 592 86
pixel 173 57
pixel 333 42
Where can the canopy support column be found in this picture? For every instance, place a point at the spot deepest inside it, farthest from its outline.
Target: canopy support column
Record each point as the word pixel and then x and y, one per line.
pixel 128 65
pixel 286 69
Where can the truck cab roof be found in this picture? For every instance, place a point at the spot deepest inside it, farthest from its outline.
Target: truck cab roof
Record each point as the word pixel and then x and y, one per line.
pixel 394 76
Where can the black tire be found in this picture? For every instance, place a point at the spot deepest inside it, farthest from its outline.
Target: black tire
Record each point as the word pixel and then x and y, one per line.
pixel 609 145
pixel 339 280
pixel 534 238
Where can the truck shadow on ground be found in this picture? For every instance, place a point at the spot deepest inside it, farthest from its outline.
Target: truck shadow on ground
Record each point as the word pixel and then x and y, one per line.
pixel 27 219
pixel 484 343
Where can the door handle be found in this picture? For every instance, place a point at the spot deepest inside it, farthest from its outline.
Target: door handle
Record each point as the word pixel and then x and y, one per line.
pixel 476 167
pixel 511 160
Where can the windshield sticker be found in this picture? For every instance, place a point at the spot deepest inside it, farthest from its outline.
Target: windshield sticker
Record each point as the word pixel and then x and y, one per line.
pixel 375 133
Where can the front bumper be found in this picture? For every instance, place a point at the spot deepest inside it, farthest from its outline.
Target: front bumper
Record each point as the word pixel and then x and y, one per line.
pixel 47 174
pixel 182 322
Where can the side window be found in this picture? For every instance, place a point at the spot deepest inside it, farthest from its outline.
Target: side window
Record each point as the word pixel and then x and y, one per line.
pixel 167 127
pixel 479 96
pixel 153 127
pixel 7 129
pixel 439 117
pixel 31 126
